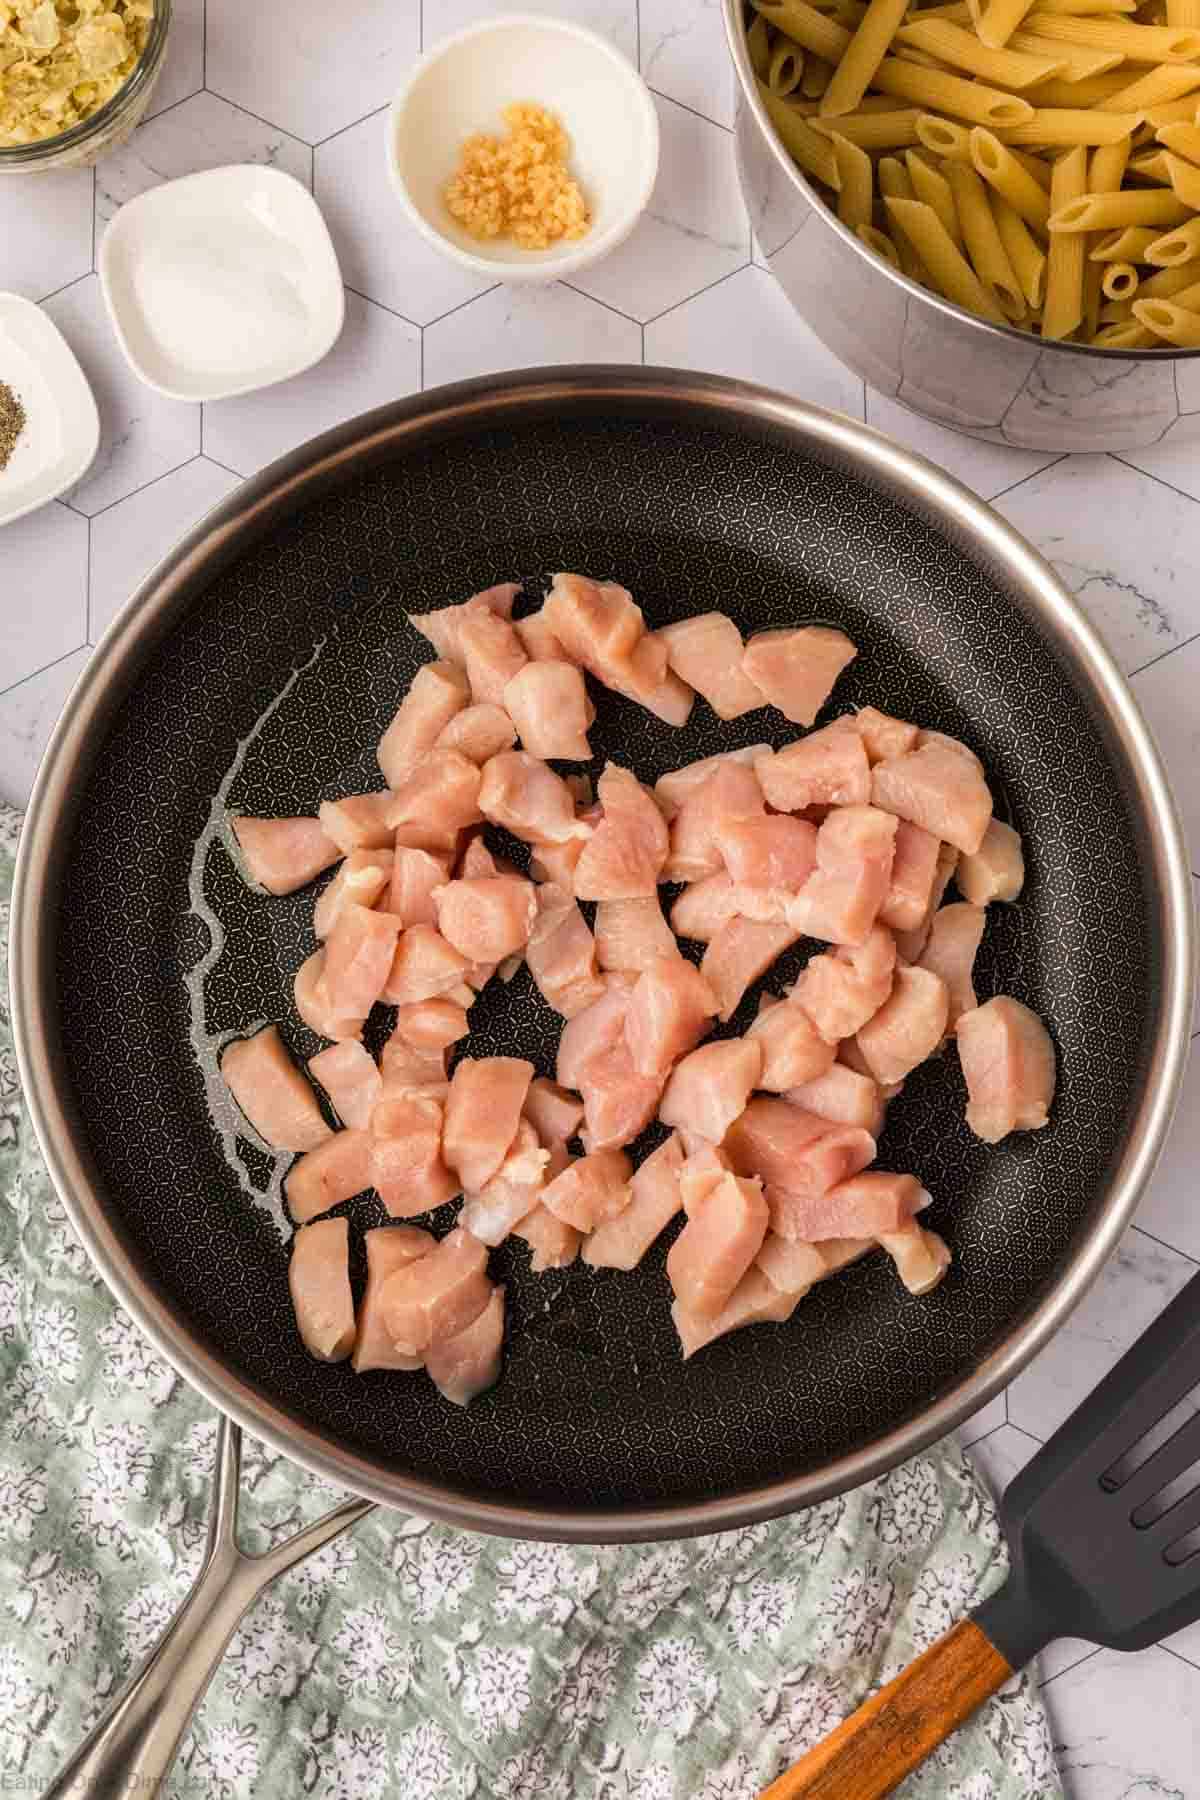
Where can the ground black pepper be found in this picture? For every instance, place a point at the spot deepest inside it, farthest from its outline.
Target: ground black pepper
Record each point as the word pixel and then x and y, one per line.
pixel 12 422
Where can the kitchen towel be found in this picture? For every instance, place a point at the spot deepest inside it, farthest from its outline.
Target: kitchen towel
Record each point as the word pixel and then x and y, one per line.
pixel 407 1659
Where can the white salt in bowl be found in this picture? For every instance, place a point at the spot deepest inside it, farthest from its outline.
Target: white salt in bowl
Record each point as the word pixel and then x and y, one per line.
pixel 462 86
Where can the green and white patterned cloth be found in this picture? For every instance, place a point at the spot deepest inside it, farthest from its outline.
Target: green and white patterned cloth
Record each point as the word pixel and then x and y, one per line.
pixel 407 1659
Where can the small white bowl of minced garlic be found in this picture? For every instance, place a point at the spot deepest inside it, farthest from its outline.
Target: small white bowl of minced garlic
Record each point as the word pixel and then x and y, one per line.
pixel 524 148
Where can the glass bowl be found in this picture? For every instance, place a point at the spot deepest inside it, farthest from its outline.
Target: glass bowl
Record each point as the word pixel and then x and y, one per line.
pixel 83 144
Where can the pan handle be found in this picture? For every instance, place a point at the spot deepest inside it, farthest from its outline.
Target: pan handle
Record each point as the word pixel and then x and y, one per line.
pixel 132 1746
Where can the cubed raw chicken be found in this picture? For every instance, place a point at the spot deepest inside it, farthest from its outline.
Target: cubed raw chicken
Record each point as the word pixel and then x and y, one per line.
pixel 357 821
pixel 796 1154
pixel 921 1257
pixel 548 703
pixel 730 796
pixel 537 637
pixel 793 1050
pixel 1008 1062
pixel 336 1170
pixel 790 1266
pixel 492 651
pixel 362 880
pixel 440 797
pixel 553 1242
pixel 554 1113
pixel 624 1240
pixel 954 940
pixel 319 1279
pixel 996 871
pixel 283 854
pixel 439 690
pixel 437 1296
pixel 827 768
pixel 405 1067
pixel 909 1025
pixel 723 1235
pixel 914 869
pixel 424 966
pixel 709 1088
pixel 740 952
pixel 591 1190
pixel 796 669
pixel 358 958
pixel 867 1204
pixel 705 1165
pixel 772 852
pixel 841 989
pixel 840 901
pixel 408 1169
pixel 754 1301
pixel 350 1076
pixel 706 652
pixel 953 744
pixel 524 795
pixel 851 1057
pixel 602 630
pixel 432 1025
pixel 561 952
pixel 668 1011
pixel 315 1006
pixel 388 1248
pixel 415 875
pixel 442 626
pixel 486 917
pixel 843 1095
pixel 938 788
pixel 466 1365
pixel 884 736
pixel 478 732
pixel 624 857
pixel 272 1092
pixel 618 1102
pixel 910 944
pixel 558 862
pixel 672 790
pixel 483 1112
pixel 704 906
pixel 632 934
pixel 513 1191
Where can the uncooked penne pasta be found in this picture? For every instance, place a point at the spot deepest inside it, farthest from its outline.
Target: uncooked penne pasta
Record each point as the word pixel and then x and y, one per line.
pixel 880 243
pixel 863 55
pixel 785 67
pixel 963 50
pixel 806 26
pixel 1169 282
pixel 950 93
pixel 1151 165
pixel 1024 252
pixel 1184 140
pixel 1184 177
pixel 1071 126
pixel 758 45
pixel 1136 206
pixel 895 184
pixel 1128 244
pixel 1077 93
pixel 944 137
pixel 998 20
pixel 1167 82
pixel 1119 281
pixel 1131 336
pixel 933 187
pixel 813 152
pixel 949 270
pixel 984 246
pixel 1001 170
pixel 1063 309
pixel 856 194
pixel 1136 43
pixel 1087 7
pixel 1172 112
pixel 1117 312
pixel 1169 249
pixel 1183 12
pixel 893 130
pixel 1106 172
pixel 1167 319
pixel 1082 63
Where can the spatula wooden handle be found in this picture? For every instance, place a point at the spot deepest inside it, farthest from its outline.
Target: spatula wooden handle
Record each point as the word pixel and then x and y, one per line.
pixel 893 1732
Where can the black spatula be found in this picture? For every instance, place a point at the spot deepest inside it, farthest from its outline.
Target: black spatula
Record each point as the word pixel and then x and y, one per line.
pixel 1103 1528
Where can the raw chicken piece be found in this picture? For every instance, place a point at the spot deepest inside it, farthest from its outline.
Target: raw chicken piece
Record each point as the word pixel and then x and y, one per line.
pixel 537 637
pixel 709 1089
pixel 561 952
pixel 953 744
pixel 753 1301
pixel 513 1191
pixel 319 1279
pixel 315 1007
pixel 335 1171
pixel 357 821
pixel 558 862
pixel 723 1235
pixel 671 701
pixel 703 907
pixel 492 651
pixel 632 934
pixel 791 1267
pixel 841 900
pixel 440 797
pixel 479 733
pixel 601 629
pixel 921 1257
pixel 415 875
pixel 705 1166
pixel 793 1050
pixel 388 1248
pixel 437 1296
pixel 623 1241
pixel 827 768
pixel 594 1057
pixel 673 789
pixel 407 1068
pixel 424 966
pixel 432 1025
pixel 441 627
pixel 668 1010
pixel 741 951
pixel 283 854
pixel 521 793
pixel 939 789
pixel 591 1190
pixel 706 652
pixel 851 1057
pixel 548 703
pixel 361 880
pixel 867 1204
pixel 486 917
pixel 466 1365
pixel 350 1077
pixel 483 1112
pixel 439 690
pixel 841 989
pixel 1008 1061
pixel 554 1243
pixel 272 1092
pixel 796 669
pixel 772 852
pixel 555 1114
pixel 408 1170
pixel 592 1033
pixel 730 796
pixel 884 736
pixel 914 868
pixel 997 869
pixel 843 1095
pixel 909 1025
pixel 954 940
pixel 910 944
pixel 358 958
pixel 624 857
pixel 797 1155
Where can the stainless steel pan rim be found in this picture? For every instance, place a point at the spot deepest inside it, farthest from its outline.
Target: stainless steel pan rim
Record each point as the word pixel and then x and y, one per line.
pixel 166 595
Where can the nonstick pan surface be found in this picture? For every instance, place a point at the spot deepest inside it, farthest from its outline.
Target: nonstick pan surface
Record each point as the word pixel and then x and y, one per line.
pixel 696 494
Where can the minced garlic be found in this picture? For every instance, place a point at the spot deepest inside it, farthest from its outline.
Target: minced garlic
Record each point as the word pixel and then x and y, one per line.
pixel 518 186
pixel 61 60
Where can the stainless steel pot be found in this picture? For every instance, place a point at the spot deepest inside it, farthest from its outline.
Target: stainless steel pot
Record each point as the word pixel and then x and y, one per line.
pixel 989 381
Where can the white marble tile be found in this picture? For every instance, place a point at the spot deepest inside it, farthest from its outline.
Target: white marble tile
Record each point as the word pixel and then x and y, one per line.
pixel 1124 546
pixel 183 66
pixel 28 714
pixel 201 133
pixel 142 434
pixel 131 537
pixel 377 358
pixel 1136 1285
pixel 1170 1209
pixel 311 70
pixel 694 230
pixel 35 261
pixel 1127 1728
pixel 43 579
pixel 684 54
pixel 988 469
pixel 380 252
pixel 745 327
pixel 613 19
pixel 1166 693
pixel 987 1419
pixel 514 328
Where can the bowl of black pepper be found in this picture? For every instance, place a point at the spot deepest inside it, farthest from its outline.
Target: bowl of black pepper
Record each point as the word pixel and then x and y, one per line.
pixel 49 426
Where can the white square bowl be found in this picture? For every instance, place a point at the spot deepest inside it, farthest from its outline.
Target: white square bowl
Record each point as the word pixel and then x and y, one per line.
pixel 62 427
pixel 222 282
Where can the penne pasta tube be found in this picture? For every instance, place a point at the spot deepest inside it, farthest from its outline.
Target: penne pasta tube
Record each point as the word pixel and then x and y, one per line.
pixel 785 67
pixel 873 103
pixel 949 270
pixel 1091 92
pixel 894 184
pixel 944 137
pixel 1167 319
pixel 1184 140
pixel 1106 172
pixel 1087 7
pixel 1103 212
pixel 931 186
pixel 1124 337
pixel 1162 85
pixel 856 192
pixel 1136 43
pixel 998 19
pixel 813 152
pixel 880 243
pixel 1151 165
pixel 1062 312
pixel 895 130
pixel 806 26
pixel 1117 312
pixel 856 70
pixel 1003 68
pixel 1128 244
pixel 1024 252
pixel 1120 281
pixel 815 78
pixel 1081 63
pixel 1183 12
pixel 758 45
pixel 1172 112
pixel 1169 282
pixel 1185 180
pixel 950 93
pixel 1001 170
pixel 1171 248
pixel 984 247
pixel 1070 126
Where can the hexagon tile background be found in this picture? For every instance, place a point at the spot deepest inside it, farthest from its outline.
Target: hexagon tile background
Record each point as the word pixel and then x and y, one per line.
pixel 304 87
